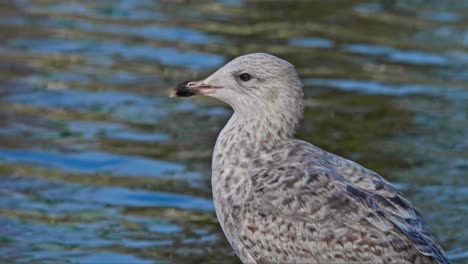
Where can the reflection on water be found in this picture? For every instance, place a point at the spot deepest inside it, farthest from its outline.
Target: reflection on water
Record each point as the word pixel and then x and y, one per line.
pixel 97 165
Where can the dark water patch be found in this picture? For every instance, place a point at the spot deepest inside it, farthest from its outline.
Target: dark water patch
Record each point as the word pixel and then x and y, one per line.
pixel 326 125
pixel 92 130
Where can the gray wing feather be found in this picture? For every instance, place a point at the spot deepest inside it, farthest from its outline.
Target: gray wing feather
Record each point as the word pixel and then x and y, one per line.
pixel 385 198
pixel 319 207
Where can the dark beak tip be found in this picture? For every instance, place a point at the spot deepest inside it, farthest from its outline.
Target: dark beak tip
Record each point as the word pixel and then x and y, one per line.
pixel 182 90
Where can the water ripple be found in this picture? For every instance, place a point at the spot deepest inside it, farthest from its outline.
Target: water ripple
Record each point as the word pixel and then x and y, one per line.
pixel 93 162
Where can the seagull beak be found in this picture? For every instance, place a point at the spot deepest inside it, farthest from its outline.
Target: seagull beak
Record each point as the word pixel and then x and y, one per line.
pixel 191 88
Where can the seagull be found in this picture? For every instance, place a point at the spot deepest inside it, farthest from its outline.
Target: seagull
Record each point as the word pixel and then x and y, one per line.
pixel 283 200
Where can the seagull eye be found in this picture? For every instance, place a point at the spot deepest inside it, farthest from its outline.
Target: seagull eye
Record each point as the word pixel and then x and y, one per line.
pixel 245 77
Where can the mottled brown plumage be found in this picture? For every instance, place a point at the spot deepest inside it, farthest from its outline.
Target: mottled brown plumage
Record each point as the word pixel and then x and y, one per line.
pixel 282 200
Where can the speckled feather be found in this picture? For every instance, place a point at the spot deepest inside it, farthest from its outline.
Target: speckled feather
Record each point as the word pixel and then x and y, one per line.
pixel 309 211
pixel 282 200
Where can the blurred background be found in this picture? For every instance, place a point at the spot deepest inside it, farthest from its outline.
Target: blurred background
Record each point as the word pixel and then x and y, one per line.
pixel 98 165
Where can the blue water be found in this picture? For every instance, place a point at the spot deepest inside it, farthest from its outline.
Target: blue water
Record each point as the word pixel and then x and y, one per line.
pixel 98 165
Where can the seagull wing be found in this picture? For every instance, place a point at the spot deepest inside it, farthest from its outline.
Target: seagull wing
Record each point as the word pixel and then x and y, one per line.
pixel 308 206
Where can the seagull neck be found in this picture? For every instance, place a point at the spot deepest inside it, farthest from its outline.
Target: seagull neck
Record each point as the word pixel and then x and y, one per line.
pixel 256 131
pixel 245 136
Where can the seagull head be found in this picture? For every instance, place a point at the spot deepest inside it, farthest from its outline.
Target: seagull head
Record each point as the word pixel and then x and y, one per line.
pixel 253 83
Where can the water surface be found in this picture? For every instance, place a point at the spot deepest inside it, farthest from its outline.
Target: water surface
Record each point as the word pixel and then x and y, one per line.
pixel 97 165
